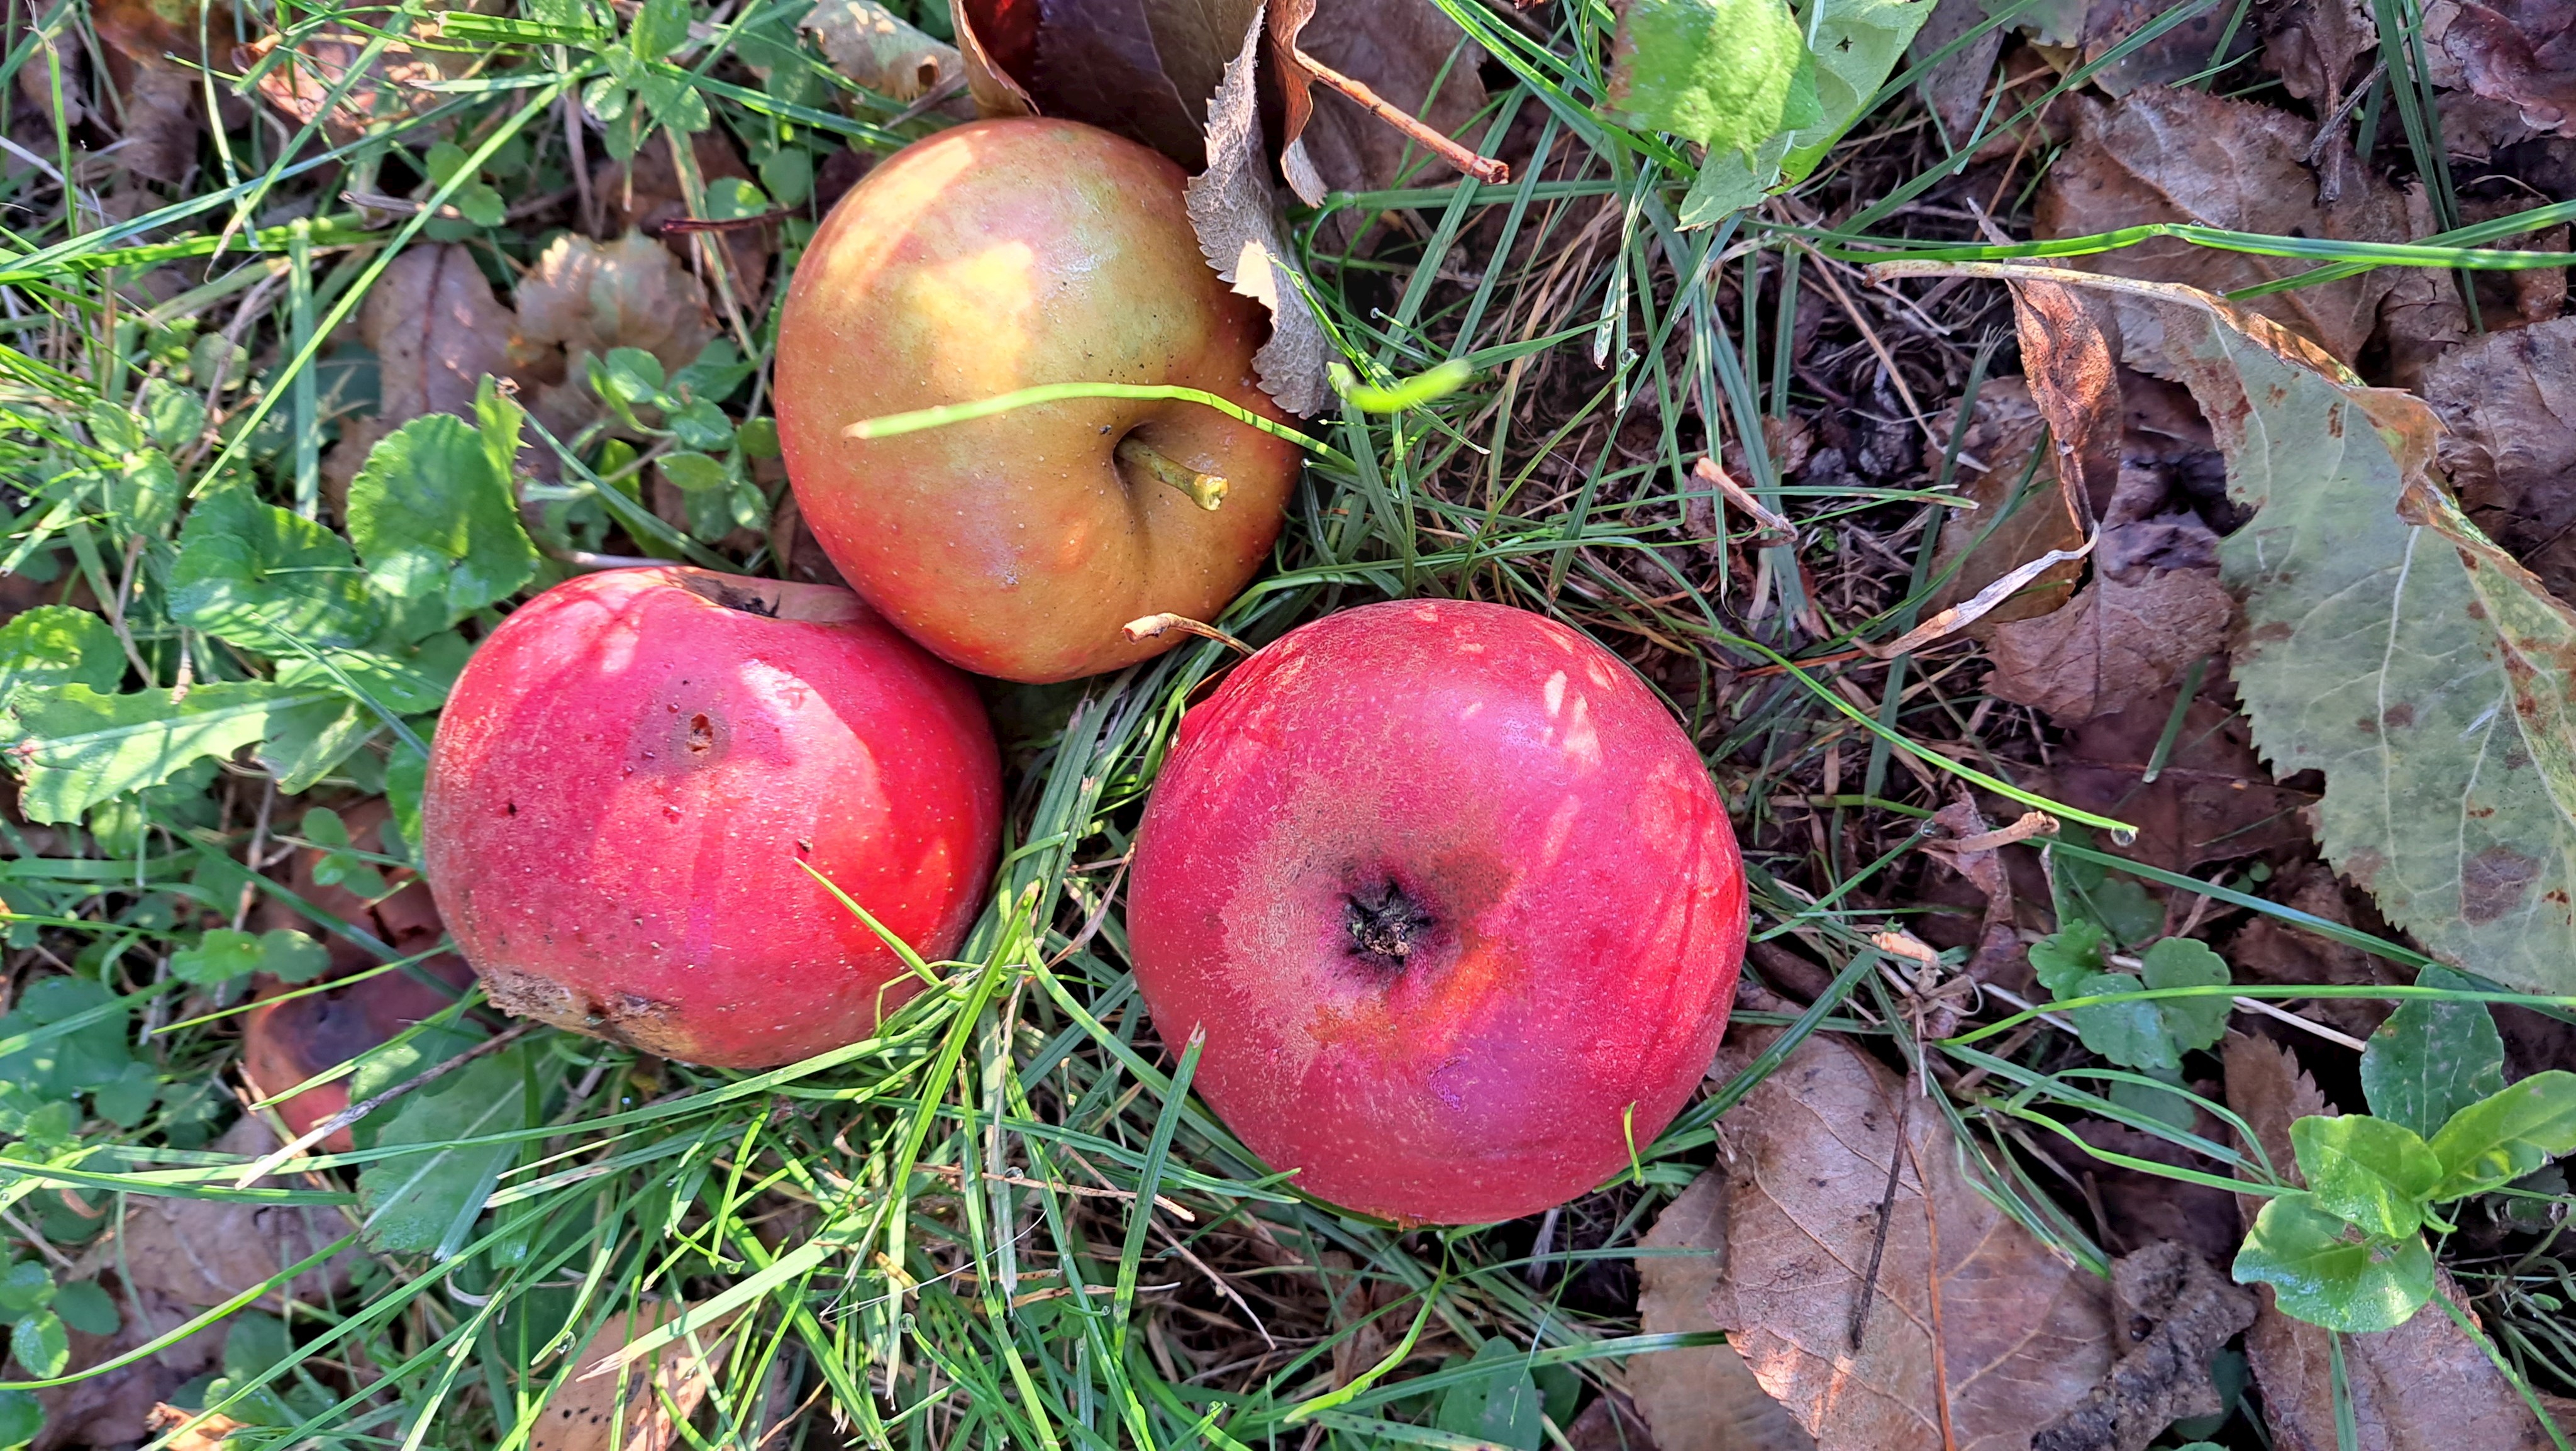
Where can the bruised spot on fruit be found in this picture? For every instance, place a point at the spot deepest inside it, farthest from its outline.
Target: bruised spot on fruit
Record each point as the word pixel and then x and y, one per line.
pixel 718 590
pixel 629 1018
pixel 702 735
pixel 1386 923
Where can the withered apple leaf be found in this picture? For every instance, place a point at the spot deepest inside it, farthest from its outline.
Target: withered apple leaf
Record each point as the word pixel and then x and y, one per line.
pixel 2508 406
pixel 2113 645
pixel 1702 1397
pixel 1409 52
pixel 1235 214
pixel 2522 52
pixel 1142 68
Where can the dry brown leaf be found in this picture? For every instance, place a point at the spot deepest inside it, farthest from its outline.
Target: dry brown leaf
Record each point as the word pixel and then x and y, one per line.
pixel 1397 48
pixel 197 1431
pixel 2172 57
pixel 436 330
pixel 2113 645
pixel 1235 214
pixel 643 194
pixel 2423 1386
pixel 1955 90
pixel 998 41
pixel 584 298
pixel 2164 155
pixel 2173 1312
pixel 1701 1397
pixel 2508 401
pixel 2315 47
pixel 2213 801
pixel 160 116
pixel 585 1414
pixel 115 1409
pixel 1977 1332
pixel 2522 52
pixel 2003 428
pixel 881 50
pixel 205 1251
pixel 391 89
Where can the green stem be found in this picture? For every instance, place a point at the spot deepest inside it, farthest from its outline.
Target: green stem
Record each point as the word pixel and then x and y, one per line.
pixel 918 419
pixel 1205 490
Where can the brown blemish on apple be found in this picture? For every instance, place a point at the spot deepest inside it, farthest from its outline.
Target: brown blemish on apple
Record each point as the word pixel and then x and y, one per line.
pixel 1385 923
pixel 638 1022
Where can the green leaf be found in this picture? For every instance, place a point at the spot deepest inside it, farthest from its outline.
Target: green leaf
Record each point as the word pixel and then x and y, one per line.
pixel 41 1344
pixel 87 1308
pixel 479 204
pixel 1857 44
pixel 426 1202
pixel 172 415
pixel 25 1285
pixel 789 175
pixel 434 518
pixel 1501 1406
pixel 223 955
pixel 340 868
pixel 2389 644
pixel 2166 1105
pixel 731 198
pixel 2369 1171
pixel 401 680
pixel 759 437
pixel 443 161
pixel 661 26
pixel 406 776
pixel 2431 1058
pixel 1718 72
pixel 81 747
pixel 2089 891
pixel 2508 1134
pixel 714 374
pixel 629 375
pixel 266 580
pixel 64 1061
pixel 2072 953
pixel 57 645
pixel 2177 962
pixel 21 1417
pixel 1728 182
pixel 306 743
pixel 2323 1276
pixel 693 473
pixel 700 425
pixel 2133 1034
pixel 127 1099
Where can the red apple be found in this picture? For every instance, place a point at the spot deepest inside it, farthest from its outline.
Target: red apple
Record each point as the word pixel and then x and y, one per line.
pixel 1454 901
pixel 636 771
pixel 990 258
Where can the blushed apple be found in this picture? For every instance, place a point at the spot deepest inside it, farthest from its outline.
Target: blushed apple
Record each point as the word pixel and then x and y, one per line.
pixel 989 258
pixel 636 772
pixel 1453 899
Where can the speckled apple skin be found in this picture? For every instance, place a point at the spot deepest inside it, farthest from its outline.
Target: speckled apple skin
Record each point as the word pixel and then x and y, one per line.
pixel 1538 804
pixel 632 776
pixel 993 257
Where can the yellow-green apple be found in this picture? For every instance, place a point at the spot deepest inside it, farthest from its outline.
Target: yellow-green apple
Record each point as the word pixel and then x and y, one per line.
pixel 644 780
pixel 993 257
pixel 1454 901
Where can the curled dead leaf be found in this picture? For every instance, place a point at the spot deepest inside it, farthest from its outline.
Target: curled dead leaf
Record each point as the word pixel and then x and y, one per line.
pixel 2522 52
pixel 2113 645
pixel 584 298
pixel 1235 214
pixel 644 194
pixel 2173 1311
pixel 881 50
pixel 1409 53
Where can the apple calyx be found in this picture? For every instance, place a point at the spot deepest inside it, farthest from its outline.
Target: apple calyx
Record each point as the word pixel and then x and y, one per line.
pixel 1385 925
pixel 1205 490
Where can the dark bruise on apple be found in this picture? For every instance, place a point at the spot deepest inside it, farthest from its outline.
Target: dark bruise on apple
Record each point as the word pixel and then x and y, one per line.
pixel 993 257
pixel 1455 902
pixel 635 774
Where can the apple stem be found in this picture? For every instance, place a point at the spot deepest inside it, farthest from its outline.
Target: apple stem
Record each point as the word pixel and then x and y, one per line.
pixel 1205 490
pixel 1152 626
